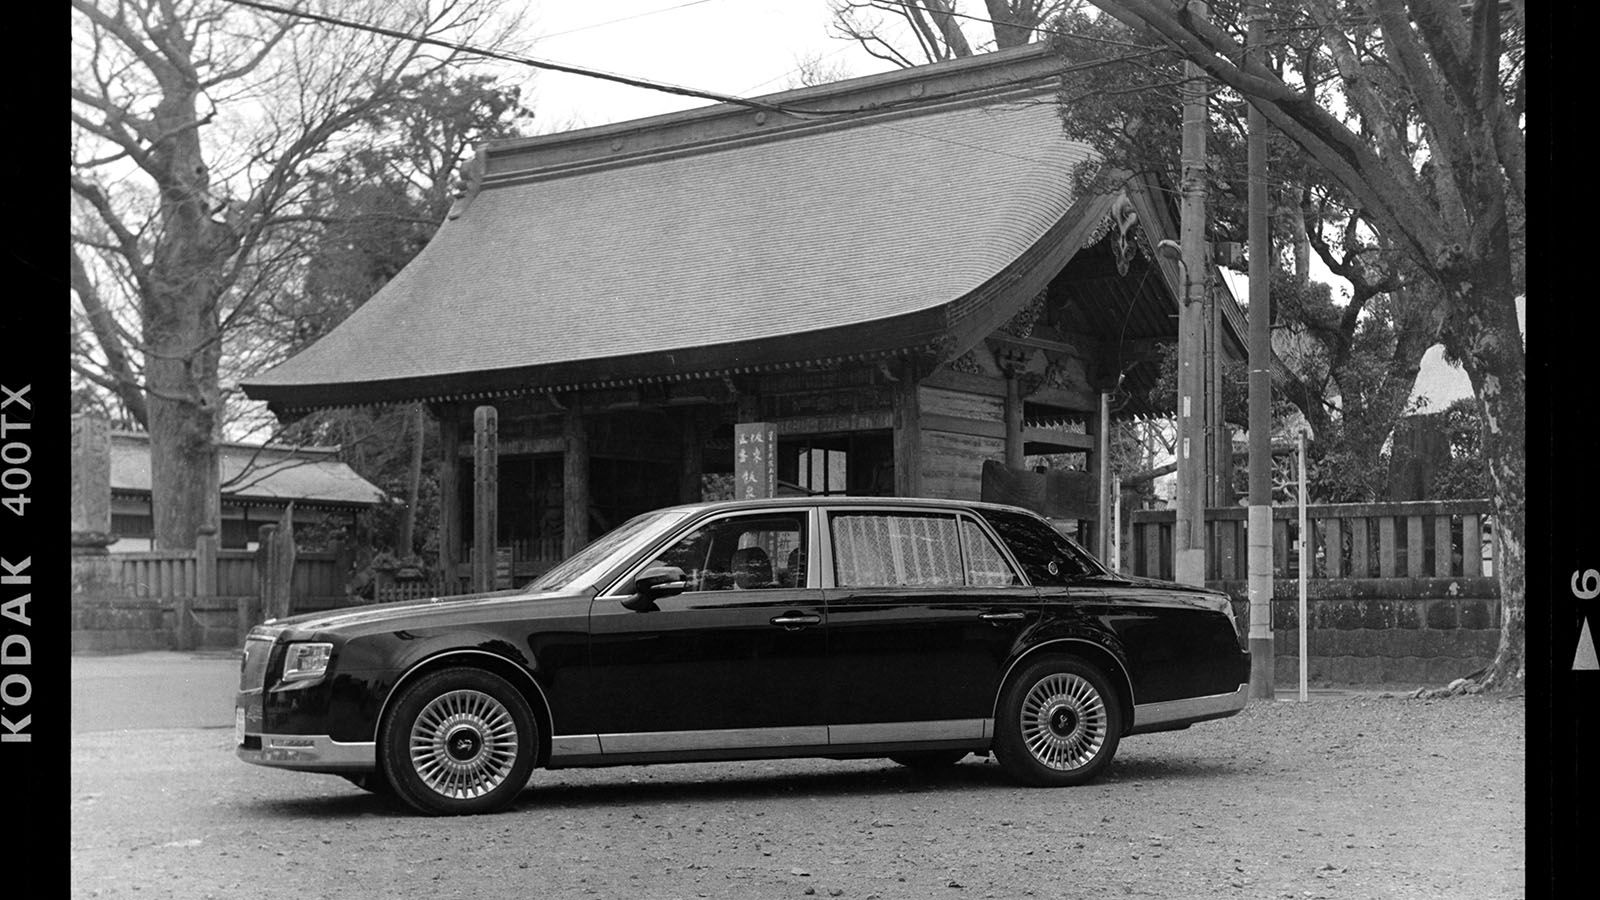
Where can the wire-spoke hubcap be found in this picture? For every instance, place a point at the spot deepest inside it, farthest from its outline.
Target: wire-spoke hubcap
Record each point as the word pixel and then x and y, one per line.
pixel 1063 721
pixel 463 744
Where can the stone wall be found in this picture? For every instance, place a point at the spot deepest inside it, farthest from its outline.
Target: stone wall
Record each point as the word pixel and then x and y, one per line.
pixel 1382 631
pixel 120 625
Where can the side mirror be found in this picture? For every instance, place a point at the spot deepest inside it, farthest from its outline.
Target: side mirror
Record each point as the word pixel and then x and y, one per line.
pixel 653 583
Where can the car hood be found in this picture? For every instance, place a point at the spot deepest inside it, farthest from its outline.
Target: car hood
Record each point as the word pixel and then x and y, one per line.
pixel 411 610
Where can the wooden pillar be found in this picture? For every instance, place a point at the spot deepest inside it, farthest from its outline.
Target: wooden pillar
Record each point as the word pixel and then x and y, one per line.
pixel 574 482
pixel 449 472
pixel 485 495
pixel 689 485
pixel 1013 419
pixel 907 438
pixel 274 574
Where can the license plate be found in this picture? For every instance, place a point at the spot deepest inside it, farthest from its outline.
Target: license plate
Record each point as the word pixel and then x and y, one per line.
pixel 238 725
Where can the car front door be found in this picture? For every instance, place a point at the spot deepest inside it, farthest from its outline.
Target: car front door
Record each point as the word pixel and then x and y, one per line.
pixel 733 662
pixel 924 611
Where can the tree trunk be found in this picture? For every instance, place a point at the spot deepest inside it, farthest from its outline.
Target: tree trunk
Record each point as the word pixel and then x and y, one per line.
pixel 182 331
pixel 1481 331
pixel 1498 372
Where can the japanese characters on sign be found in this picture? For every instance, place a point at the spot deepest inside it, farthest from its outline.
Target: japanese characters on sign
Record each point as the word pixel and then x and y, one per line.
pixel 755 460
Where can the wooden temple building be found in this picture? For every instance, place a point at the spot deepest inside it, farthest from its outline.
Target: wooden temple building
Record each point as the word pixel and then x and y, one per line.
pixel 892 272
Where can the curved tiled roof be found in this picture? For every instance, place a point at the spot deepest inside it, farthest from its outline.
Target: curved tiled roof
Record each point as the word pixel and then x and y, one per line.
pixel 311 475
pixel 861 233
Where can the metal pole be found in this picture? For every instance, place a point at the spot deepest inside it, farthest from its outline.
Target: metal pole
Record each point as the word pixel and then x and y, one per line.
pixel 1305 563
pixel 1217 452
pixel 1188 538
pixel 1116 524
pixel 1259 561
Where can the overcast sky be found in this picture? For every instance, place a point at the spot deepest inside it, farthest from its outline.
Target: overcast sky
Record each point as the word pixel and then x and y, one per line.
pixel 735 47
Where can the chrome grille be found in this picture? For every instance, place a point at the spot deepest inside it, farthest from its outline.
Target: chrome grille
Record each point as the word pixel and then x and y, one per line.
pixel 253 668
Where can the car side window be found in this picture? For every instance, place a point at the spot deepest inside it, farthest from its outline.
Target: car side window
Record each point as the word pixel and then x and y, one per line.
pixel 742 553
pixel 895 550
pixel 1046 555
pixel 986 564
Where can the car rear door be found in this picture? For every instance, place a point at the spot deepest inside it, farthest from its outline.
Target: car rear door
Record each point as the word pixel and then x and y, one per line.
pixel 924 611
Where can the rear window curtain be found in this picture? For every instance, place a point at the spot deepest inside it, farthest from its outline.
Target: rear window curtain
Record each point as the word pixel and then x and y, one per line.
pixel 879 550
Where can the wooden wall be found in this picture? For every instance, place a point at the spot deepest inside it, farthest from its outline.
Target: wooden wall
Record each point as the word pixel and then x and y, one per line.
pixel 959 431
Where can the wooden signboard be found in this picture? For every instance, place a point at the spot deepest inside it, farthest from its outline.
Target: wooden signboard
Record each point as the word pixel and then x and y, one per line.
pixel 755 460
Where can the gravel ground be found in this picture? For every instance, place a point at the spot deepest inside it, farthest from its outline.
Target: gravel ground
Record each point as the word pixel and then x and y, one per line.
pixel 1361 797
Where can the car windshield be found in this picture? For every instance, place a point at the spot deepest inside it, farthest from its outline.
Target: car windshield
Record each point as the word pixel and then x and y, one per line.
pixel 588 564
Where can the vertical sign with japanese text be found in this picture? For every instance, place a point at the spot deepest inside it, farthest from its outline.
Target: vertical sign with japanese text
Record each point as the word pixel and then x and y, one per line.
pixel 755 462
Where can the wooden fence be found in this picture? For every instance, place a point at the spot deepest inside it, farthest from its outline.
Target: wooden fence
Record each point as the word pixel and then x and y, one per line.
pixel 390 587
pixel 214 595
pixel 1424 539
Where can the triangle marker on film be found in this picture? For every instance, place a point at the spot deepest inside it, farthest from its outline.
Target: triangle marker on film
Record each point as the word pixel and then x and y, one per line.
pixel 1585 658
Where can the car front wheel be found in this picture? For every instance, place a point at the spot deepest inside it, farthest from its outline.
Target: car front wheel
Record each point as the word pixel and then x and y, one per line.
pixel 1059 725
pixel 459 742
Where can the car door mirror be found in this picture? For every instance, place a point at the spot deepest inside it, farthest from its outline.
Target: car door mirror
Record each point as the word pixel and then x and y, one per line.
pixel 654 583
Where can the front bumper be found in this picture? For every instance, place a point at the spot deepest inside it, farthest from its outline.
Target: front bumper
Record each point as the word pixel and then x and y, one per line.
pixel 308 753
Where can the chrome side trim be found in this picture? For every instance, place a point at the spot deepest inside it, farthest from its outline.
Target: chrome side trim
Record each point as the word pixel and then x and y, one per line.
pixel 886 732
pixel 563 745
pixel 1214 706
pixel 720 739
pixel 312 752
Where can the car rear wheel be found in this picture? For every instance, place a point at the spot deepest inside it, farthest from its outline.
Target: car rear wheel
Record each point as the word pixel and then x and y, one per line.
pixel 929 759
pixel 1060 723
pixel 459 742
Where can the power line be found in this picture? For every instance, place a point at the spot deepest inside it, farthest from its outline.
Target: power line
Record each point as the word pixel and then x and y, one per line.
pixel 545 37
pixel 680 90
pixel 708 95
pixel 529 61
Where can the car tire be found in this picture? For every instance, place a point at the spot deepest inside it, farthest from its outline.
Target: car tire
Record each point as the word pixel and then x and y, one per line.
pixel 928 760
pixel 1060 723
pixel 459 742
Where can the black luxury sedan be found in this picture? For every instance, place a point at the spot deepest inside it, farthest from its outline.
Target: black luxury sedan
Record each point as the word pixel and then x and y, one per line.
pixel 917 630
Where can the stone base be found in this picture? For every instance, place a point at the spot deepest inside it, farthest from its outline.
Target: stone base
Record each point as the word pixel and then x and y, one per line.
pixel 123 641
pixel 1376 670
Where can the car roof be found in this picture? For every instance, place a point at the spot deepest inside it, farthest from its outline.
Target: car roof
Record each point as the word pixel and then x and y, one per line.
pixel 846 500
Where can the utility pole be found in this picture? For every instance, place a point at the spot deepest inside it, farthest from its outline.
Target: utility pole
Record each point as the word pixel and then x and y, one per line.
pixel 1259 562
pixel 1188 537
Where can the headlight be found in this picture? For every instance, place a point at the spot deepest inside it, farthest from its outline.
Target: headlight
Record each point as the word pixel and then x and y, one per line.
pixel 306 662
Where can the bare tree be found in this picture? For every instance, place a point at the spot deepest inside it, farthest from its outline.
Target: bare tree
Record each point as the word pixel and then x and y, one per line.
pixel 192 123
pixel 913 32
pixel 1429 143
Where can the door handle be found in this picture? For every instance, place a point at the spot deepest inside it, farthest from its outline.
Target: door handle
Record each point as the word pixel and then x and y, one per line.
pixel 997 618
pixel 795 621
